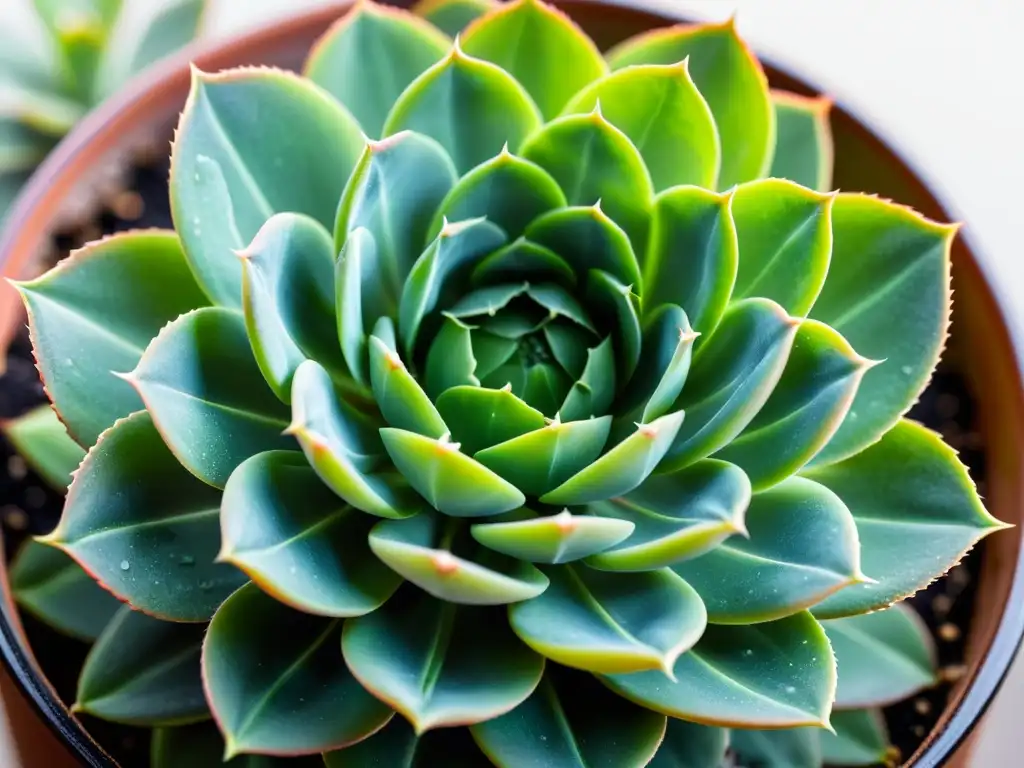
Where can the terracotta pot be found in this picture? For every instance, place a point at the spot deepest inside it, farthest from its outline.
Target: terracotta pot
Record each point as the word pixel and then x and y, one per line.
pixel 981 340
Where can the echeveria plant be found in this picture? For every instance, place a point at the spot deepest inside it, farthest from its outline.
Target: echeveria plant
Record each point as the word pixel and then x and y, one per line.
pixel 497 401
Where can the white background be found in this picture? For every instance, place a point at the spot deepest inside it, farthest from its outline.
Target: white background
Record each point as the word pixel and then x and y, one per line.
pixel 941 79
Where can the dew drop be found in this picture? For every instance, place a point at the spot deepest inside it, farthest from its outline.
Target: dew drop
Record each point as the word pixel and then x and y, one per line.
pixel 186 560
pixel 907 370
pixel 790 689
pixel 125 565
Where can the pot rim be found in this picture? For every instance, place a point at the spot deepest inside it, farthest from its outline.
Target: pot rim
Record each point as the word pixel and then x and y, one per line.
pixel 966 711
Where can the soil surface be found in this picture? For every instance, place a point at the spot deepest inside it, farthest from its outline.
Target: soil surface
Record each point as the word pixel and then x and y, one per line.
pixel 27 506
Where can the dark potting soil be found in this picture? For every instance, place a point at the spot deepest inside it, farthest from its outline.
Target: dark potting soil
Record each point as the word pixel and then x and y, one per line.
pixel 29 507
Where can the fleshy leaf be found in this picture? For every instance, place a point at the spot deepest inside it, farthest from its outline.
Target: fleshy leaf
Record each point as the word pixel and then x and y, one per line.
pixel 420 550
pixel 661 111
pixel 370 56
pixel 95 313
pixel 288 299
pixel 444 265
pixel 786 748
pixel 689 745
pixel 677 516
pixel 523 260
pixel 803 140
pixel 396 745
pixel 623 468
pixel 884 657
pixel 617 305
pixel 239 129
pixel 450 361
pixel 730 79
pixel 202 746
pixel 276 683
pixel 586 238
pixel 486 417
pixel 401 399
pixel 144 527
pixel 591 620
pixel 543 459
pixel 665 356
pixel 298 541
pixel 357 273
pixel 888 293
pixel 343 447
pixel 595 162
pixel 470 106
pixel 394 190
pixel 860 738
pixel 144 672
pixel 199 377
pixel 451 17
pixel 913 525
pixel 785 242
pixel 42 440
pixel 572 721
pixel 804 410
pixel 440 664
pixel 693 255
pixel 49 585
pixel 534 42
pixel 781 567
pixel 594 392
pixel 731 378
pixel 451 481
pixel 776 675
pixel 559 538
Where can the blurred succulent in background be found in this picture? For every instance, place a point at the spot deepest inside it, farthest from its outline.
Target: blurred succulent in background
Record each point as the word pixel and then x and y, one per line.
pixel 489 405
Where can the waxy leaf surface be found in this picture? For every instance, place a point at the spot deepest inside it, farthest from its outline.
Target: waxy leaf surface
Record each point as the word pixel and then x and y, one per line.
pixel 42 440
pixel 803 140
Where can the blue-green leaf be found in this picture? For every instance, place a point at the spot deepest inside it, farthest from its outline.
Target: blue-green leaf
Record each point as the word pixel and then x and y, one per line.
pixel 803 140
pixel 399 396
pixel 559 538
pixel 42 440
pixel 486 417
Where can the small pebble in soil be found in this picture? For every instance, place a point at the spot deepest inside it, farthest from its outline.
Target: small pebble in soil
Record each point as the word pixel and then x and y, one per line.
pixel 15 518
pixel 949 632
pixel 952 673
pixel 17 468
pixel 942 604
pixel 922 706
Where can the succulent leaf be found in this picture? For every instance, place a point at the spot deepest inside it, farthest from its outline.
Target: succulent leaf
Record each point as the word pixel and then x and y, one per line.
pixel 784 233
pixel 860 738
pixel 776 675
pixel 401 399
pixel 442 269
pixel 523 260
pixel 689 745
pixel 665 356
pixel 486 417
pixel 393 192
pixel 594 391
pixel 617 303
pixel 731 378
pixel 370 56
pixel 780 568
pixel 440 664
pixel 594 162
pixel 470 106
pixel 622 468
pixel 450 362
pixel 677 516
pixel 288 299
pixel 240 128
pixel 803 140
pixel 144 527
pixel 786 748
pixel 99 310
pixel 586 238
pixel 343 447
pixel 888 293
pixel 49 585
pixel 589 620
pixel 534 42
pixel 202 746
pixel 199 377
pixel 143 671
pixel 451 481
pixel 276 683
pixel 804 410
pixel 932 501
pixel 452 17
pixel 661 111
pixel 298 541
pixel 556 539
pixel 42 440
pixel 420 550
pixel 885 657
pixel 356 272
pixel 397 745
pixel 730 79
pixel 692 259
pixel 575 722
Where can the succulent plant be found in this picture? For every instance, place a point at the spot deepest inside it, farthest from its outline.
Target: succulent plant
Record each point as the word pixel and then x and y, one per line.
pixel 78 53
pixel 500 401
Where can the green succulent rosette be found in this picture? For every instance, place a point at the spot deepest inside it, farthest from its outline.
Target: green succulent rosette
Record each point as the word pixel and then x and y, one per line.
pixel 500 402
